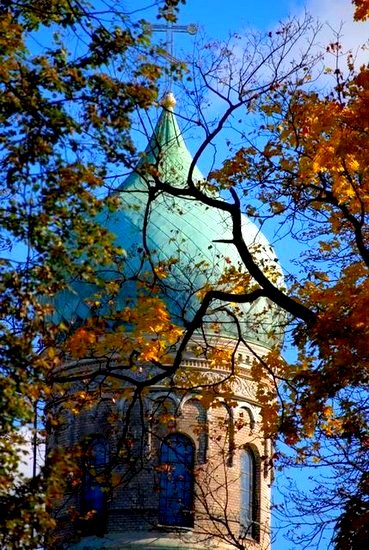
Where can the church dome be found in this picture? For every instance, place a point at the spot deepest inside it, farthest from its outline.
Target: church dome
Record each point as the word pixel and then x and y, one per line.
pixel 184 234
pixel 153 460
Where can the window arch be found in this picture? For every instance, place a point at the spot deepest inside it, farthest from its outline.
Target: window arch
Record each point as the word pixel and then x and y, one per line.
pixel 246 415
pixel 94 488
pixel 248 494
pixel 198 428
pixel 176 481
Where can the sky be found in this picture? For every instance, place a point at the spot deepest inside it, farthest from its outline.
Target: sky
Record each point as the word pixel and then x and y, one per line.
pixel 218 18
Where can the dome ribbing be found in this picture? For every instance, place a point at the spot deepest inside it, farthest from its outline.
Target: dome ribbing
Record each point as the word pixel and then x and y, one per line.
pixel 183 232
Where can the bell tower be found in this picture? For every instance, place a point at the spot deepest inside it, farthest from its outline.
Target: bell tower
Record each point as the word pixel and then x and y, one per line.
pixel 181 462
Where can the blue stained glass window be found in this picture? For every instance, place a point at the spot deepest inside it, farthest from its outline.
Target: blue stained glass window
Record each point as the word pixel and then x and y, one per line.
pixel 94 487
pixel 176 481
pixel 248 510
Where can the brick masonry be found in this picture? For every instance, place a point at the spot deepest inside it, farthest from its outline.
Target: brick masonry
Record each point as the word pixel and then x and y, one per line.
pixel 134 435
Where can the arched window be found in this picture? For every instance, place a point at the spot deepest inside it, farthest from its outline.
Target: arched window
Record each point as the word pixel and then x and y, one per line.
pixel 248 493
pixel 176 481
pixel 94 488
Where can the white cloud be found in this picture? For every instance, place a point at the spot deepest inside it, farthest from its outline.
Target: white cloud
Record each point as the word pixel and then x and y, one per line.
pixel 337 17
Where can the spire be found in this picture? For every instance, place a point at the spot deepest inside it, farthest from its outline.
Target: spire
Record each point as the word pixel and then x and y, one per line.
pixel 167 148
pixel 167 133
pixel 168 101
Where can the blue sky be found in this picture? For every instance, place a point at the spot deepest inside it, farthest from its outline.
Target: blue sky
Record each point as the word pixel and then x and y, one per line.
pixel 219 17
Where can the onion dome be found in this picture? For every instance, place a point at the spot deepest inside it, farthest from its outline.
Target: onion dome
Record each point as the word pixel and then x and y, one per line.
pixel 185 236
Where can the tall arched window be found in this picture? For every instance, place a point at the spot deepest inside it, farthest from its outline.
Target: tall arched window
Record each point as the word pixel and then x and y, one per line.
pixel 94 489
pixel 176 481
pixel 248 493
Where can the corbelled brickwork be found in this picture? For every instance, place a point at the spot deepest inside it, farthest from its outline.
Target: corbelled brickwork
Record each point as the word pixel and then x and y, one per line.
pixel 131 479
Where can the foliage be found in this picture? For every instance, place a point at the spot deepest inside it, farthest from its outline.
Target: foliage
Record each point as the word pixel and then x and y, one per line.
pixel 66 120
pixel 305 168
pixel 308 171
pixel 361 10
pixel 312 173
pixel 71 82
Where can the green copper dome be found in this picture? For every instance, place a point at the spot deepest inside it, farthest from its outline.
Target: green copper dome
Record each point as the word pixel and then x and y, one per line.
pixel 184 233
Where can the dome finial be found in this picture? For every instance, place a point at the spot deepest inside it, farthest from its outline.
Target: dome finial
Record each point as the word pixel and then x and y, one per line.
pixel 168 101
